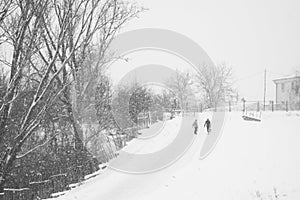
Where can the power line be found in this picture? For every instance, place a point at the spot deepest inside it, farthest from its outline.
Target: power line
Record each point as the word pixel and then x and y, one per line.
pixel 259 73
pixel 250 76
pixel 277 73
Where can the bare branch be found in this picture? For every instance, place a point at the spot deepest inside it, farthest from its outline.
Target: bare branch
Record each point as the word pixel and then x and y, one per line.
pixel 36 147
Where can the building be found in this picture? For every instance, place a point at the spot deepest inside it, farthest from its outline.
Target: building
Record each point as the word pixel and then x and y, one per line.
pixel 288 91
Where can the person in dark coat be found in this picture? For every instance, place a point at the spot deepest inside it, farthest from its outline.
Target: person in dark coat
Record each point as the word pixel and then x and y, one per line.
pixel 207 124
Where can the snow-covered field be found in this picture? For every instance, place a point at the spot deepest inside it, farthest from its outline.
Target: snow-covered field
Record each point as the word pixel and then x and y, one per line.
pixel 252 160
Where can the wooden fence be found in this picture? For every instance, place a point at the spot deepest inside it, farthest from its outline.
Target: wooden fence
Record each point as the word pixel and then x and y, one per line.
pixel 248 106
pixel 44 189
pixel 62 181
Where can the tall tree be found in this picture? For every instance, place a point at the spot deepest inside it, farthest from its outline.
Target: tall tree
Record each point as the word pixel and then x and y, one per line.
pixel 180 85
pixel 48 43
pixel 140 102
pixel 215 82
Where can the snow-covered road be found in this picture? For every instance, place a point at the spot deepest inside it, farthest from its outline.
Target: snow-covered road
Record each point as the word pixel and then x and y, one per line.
pixel 250 160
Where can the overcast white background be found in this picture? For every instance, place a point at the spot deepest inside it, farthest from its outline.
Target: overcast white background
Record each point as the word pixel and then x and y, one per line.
pixel 248 35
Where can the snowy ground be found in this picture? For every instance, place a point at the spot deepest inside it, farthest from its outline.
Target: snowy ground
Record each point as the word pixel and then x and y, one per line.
pixel 250 160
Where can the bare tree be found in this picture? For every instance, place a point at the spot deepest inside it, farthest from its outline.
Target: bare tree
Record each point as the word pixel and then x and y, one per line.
pixel 180 85
pixel 49 41
pixel 114 14
pixel 100 110
pixel 215 82
pixel 5 9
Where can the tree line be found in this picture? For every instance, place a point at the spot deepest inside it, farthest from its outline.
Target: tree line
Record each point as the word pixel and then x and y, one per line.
pixel 49 47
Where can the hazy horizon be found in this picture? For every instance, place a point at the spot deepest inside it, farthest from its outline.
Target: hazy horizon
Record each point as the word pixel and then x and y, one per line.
pixel 250 36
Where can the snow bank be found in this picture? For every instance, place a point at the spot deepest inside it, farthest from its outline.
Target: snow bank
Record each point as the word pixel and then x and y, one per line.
pixel 252 160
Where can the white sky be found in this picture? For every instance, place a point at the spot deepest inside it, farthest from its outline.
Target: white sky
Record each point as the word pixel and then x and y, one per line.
pixel 249 35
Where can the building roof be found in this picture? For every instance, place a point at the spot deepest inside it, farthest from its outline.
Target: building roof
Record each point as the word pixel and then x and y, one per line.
pixel 289 78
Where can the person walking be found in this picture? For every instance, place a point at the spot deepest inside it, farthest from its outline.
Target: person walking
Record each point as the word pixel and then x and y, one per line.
pixel 195 125
pixel 207 124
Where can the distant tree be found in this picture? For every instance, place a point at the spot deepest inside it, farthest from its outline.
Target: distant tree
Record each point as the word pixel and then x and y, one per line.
pixel 215 82
pixel 162 102
pixel 180 85
pixel 140 102
pixel 103 104
pixel 103 119
pixel 128 102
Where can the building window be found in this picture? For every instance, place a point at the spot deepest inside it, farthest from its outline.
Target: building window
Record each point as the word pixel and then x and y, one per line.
pixel 282 87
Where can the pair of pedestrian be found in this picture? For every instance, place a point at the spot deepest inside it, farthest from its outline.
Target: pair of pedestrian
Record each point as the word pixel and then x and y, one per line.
pixel 207 124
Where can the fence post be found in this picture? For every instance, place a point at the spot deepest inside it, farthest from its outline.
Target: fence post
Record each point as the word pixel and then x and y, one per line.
pixel 272 103
pixel 244 105
pixel 201 108
pixel 229 106
pixel 258 108
pixel 286 106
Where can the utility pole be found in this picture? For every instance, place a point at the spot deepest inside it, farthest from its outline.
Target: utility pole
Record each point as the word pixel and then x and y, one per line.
pixel 265 89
